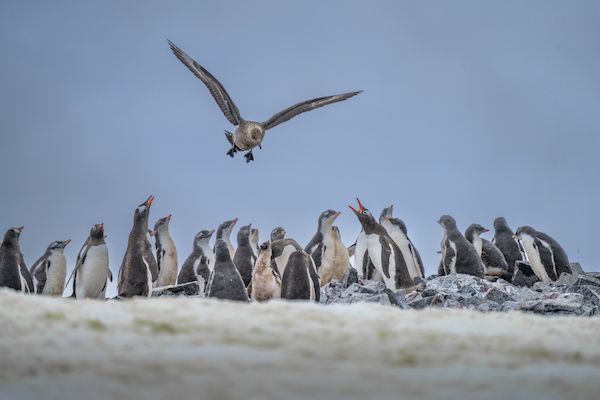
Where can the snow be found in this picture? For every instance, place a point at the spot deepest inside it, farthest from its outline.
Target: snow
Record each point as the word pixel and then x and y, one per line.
pixel 180 348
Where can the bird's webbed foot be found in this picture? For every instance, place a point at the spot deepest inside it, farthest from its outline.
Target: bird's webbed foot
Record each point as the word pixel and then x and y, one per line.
pixel 249 156
pixel 232 151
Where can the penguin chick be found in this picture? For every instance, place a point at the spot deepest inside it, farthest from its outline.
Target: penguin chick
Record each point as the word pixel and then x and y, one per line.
pixel 384 252
pixel 340 261
pixel 277 234
pixel 199 263
pixel 225 281
pixel 458 254
pixel 49 272
pixel 91 267
pixel 138 269
pixel 396 228
pixel 508 245
pixel 316 248
pixel 266 283
pixel 297 282
pixel 281 250
pixel 13 272
pixel 166 254
pixel 244 256
pixel 547 258
pixel 254 242
pixel 493 260
pixel 223 232
pixel 386 213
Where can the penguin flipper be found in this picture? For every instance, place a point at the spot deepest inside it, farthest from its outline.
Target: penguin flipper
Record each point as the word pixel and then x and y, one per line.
pixel 110 277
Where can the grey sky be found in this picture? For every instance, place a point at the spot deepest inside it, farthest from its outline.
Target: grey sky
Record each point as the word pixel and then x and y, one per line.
pixel 473 109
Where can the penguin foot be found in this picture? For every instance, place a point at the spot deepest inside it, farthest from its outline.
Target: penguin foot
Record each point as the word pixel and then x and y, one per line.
pixel 249 156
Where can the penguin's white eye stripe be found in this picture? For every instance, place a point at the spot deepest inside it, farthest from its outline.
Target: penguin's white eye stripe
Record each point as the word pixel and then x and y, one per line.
pixel 141 208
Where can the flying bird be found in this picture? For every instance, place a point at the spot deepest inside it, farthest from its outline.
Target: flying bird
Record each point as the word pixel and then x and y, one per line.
pixel 249 134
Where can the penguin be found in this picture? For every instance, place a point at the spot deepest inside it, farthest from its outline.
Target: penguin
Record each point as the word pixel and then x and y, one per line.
pixel 277 234
pixel 50 270
pixel 362 261
pixel 244 256
pixel 458 254
pixel 223 232
pixel 547 258
pixel 138 269
pixel 511 248
pixel 386 213
pixel 280 253
pixel 91 268
pixel 266 283
pixel 152 242
pixel 336 259
pixel 316 247
pixel 249 134
pixel 254 242
pixel 396 228
pixel 297 282
pixel 225 281
pixel 384 252
pixel 166 254
pixel 199 263
pixel 13 272
pixel 493 260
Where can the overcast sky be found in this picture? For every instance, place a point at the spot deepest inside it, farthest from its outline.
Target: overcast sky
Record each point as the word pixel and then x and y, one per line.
pixel 473 109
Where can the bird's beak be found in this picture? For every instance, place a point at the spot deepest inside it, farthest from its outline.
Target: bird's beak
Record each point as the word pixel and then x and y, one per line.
pixel 101 225
pixel 259 145
pixel 213 231
pixel 360 208
pixel 67 242
pixel 168 218
pixel 283 233
pixel 149 201
pixel 486 230
pixel 21 229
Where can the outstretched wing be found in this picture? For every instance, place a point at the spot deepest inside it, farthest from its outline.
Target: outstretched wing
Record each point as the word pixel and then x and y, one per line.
pixel 215 88
pixel 304 106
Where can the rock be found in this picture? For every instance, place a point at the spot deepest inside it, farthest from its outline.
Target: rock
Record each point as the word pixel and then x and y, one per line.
pixel 524 267
pixel 576 268
pixel 184 289
pixel 429 292
pixel 590 294
pixel 349 277
pixel 520 279
pixel 593 274
pixel 421 302
pixel 497 296
pixel 397 298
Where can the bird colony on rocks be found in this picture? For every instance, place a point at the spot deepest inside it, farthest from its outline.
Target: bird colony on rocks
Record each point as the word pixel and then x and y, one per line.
pixel 386 267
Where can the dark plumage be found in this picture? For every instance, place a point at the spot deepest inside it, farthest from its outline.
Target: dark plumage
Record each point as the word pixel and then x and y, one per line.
pixel 225 281
pixel 510 248
pixel 200 262
pixel 244 258
pixel 458 254
pixel 13 272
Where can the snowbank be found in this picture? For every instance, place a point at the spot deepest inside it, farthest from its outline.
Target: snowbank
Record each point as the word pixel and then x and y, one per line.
pixel 179 348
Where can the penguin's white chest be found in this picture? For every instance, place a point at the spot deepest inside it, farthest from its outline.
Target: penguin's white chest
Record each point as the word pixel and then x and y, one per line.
pixel 55 275
pixel 534 257
pixel 92 274
pixel 409 258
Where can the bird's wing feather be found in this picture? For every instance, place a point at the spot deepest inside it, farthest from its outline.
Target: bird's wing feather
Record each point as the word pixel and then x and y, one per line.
pixel 304 106
pixel 215 88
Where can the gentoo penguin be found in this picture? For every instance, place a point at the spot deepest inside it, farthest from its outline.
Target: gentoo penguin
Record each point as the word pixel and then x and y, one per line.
pixel 317 246
pixel 510 247
pixel 277 234
pixel 249 134
pixel 266 283
pixel 548 260
pixel 138 269
pixel 384 252
pixel 225 281
pixel 362 261
pixel 13 272
pixel 166 254
pixel 244 256
pixel 336 259
pixel 254 242
pixel 396 228
pixel 493 260
pixel 199 263
pixel 223 232
pixel 458 254
pixel 280 252
pixel 50 270
pixel 297 282
pixel 386 213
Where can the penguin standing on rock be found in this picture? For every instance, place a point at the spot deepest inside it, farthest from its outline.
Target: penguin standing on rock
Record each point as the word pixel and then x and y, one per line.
pixel 384 252
pixel 138 269
pixel 200 263
pixel 396 228
pixel 244 256
pixel 508 245
pixel 225 281
pixel 50 270
pixel 166 254
pixel 493 259
pixel 321 246
pixel 223 233
pixel 266 283
pixel 458 254
pixel 13 272
pixel 548 260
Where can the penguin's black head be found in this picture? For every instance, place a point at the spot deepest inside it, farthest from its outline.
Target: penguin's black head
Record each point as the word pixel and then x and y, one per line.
pixel 143 210
pixel 327 217
pixel 203 236
pixel 264 246
pixel 524 230
pixel 366 219
pixel 386 213
pixel 58 245
pixel 222 251
pixel 97 232
pixel 474 230
pixel 162 223
pixel 447 222
pixel 277 234
pixel 243 236
pixel 12 235
pixel 501 226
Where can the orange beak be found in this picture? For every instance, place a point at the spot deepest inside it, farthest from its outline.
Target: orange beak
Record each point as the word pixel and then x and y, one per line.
pixel 67 241
pixel 213 231
pixel 101 225
pixel 149 201
pixel 168 218
pixel 21 229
